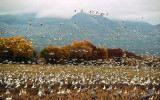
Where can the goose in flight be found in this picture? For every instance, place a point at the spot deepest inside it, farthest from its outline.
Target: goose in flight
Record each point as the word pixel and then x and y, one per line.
pixel 82 10
pixel 30 23
pixel 42 24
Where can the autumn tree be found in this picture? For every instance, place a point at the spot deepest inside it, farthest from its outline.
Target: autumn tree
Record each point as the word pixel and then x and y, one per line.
pixel 79 50
pixel 132 55
pixel 4 52
pixel 102 53
pixel 15 48
pixel 57 53
pixel 116 54
pixel 44 52
pixel 2 45
pixel 159 59
pixel 86 50
pixel 51 53
pixel 19 47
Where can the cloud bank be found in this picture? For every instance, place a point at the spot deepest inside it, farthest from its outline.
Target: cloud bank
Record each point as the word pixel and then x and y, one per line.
pixel 117 9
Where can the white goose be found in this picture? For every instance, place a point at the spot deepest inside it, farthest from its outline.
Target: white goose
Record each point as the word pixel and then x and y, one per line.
pixel 104 87
pixel 25 86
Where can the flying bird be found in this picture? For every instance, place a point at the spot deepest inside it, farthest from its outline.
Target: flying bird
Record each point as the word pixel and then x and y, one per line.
pixel 82 10
pixel 97 12
pixel 60 24
pixel 102 14
pixel 58 38
pixel 30 23
pixel 42 24
pixel 107 14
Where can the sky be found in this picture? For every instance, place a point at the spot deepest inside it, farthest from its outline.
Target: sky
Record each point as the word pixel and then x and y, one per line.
pixel 133 10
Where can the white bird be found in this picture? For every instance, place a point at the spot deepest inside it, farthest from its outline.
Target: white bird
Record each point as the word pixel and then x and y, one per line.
pixel 75 87
pixel 9 98
pixel 42 24
pixel 25 86
pixel 115 88
pixel 82 10
pixel 30 23
pixel 33 86
pixel 79 89
pixel 60 24
pixel 58 38
pixel 68 91
pixel 104 87
pixel 63 92
pixel 59 92
pixel 41 93
pixel 17 85
pixel 7 91
pixel 22 92
pixel 107 14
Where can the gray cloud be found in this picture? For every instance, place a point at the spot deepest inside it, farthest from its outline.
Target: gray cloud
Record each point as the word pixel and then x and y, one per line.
pixel 117 9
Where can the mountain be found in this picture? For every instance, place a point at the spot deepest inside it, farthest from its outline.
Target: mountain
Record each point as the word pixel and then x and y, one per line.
pixel 138 37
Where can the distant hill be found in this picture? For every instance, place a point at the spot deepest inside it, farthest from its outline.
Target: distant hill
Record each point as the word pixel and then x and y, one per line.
pixel 138 37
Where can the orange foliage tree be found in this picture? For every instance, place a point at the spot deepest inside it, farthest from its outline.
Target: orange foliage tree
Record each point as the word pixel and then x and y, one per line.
pixel 19 47
pixel 79 50
pixel 84 50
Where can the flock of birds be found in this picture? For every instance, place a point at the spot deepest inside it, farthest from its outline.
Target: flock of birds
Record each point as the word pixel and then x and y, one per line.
pixel 93 12
pixel 60 24
pixel 90 12
pixel 61 80
pixel 64 80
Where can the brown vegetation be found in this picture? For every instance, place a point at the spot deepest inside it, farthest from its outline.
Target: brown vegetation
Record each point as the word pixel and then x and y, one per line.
pixel 115 54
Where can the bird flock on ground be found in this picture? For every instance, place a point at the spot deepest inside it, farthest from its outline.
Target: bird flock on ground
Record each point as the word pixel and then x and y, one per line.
pixel 73 82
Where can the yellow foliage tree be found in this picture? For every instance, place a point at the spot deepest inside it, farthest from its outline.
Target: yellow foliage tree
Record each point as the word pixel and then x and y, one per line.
pixel 19 47
pixel 79 50
pixel 3 48
pixel 57 53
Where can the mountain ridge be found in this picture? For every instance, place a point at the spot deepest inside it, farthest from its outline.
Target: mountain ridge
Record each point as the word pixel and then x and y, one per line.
pixel 139 37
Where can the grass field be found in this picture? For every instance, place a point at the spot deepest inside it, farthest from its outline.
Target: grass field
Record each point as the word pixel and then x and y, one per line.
pixel 70 82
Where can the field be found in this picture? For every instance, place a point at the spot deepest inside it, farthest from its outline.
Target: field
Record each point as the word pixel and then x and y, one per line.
pixel 70 82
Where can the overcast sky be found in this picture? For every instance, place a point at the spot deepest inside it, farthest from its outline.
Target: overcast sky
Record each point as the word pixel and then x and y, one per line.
pixel 117 9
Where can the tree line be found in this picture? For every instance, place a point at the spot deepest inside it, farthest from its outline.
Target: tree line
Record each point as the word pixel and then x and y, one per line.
pixel 81 51
pixel 18 49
